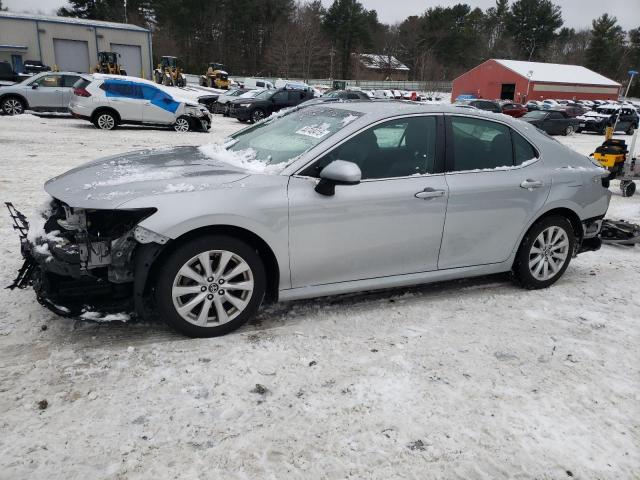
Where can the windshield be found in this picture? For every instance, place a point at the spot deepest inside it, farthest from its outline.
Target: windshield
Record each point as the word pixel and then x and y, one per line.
pixel 536 115
pixel 607 110
pixel 277 141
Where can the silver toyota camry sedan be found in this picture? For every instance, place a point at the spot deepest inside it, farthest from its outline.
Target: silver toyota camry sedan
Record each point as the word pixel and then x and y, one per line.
pixel 321 200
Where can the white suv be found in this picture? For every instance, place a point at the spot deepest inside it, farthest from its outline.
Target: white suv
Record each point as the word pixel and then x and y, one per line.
pixel 110 100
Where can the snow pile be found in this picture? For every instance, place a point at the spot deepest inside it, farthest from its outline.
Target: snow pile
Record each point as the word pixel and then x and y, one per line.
pixel 100 317
pixel 348 119
pixel 244 159
pixel 184 187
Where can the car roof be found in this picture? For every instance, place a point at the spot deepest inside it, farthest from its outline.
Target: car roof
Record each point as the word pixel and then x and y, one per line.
pixel 381 109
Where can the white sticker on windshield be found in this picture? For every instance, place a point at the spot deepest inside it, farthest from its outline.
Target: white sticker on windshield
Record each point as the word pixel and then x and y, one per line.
pixel 315 131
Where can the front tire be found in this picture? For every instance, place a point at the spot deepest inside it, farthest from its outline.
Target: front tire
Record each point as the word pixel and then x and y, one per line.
pixel 210 286
pixel 568 130
pixel 183 124
pixel 257 115
pixel 13 106
pixel 545 253
pixel 630 130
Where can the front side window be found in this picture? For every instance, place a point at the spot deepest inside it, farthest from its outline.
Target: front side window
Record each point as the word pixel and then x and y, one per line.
pixel 280 97
pixel 48 81
pixel 398 148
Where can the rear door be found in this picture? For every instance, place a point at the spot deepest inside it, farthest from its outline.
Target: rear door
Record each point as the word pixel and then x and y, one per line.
pixel 494 191
pixel 125 97
pixel 67 83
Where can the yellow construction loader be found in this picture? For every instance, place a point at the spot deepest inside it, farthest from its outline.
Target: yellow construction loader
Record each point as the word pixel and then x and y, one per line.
pixel 108 63
pixel 168 73
pixel 215 77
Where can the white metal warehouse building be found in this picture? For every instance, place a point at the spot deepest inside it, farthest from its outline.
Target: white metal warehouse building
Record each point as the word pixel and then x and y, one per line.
pixel 72 44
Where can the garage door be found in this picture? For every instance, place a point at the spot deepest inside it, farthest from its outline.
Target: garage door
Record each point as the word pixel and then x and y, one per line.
pixel 71 55
pixel 130 58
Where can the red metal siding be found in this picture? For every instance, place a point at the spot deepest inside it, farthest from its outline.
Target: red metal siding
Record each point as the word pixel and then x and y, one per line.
pixel 485 81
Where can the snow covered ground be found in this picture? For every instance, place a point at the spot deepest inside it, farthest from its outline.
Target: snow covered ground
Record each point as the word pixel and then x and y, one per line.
pixel 471 379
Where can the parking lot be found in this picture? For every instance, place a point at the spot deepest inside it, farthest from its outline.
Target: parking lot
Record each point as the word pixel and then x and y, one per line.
pixel 467 379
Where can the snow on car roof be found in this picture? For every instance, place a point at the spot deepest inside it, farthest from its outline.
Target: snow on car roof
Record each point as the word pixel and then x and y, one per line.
pixel 557 73
pixel 72 20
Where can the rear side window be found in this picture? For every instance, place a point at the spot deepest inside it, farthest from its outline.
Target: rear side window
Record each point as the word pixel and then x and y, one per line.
pixel 122 89
pixel 69 80
pixel 477 144
pixel 523 151
pixel 82 83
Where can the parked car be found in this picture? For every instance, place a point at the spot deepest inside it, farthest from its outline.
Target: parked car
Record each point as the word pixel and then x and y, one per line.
pixel 222 103
pixel 111 100
pixel 606 115
pixel 383 94
pixel 550 104
pixel 554 122
pixel 324 200
pixel 515 110
pixel 32 67
pixel 253 83
pixel 50 92
pixel 533 105
pixel 334 95
pixel 574 109
pixel 7 74
pixel 488 105
pixel 266 102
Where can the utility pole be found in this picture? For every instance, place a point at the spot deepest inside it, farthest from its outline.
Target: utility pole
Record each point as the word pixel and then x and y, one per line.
pixel 125 11
pixel 331 65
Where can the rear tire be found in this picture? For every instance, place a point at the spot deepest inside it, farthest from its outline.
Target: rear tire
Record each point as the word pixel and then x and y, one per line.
pixel 227 308
pixel 568 130
pixel 105 120
pixel 12 106
pixel 628 188
pixel 545 253
pixel 630 130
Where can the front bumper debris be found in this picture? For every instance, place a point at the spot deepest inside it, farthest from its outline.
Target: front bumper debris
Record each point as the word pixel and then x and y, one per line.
pixel 73 270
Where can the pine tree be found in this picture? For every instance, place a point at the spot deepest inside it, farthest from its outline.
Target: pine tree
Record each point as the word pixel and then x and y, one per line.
pixel 532 24
pixel 606 47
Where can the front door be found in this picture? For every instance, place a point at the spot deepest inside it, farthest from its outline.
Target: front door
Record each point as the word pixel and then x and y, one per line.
pixel 125 97
pixel 158 106
pixel 494 191
pixel 45 92
pixel 389 224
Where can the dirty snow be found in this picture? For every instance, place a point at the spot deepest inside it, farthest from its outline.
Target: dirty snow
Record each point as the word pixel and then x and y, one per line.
pixel 473 380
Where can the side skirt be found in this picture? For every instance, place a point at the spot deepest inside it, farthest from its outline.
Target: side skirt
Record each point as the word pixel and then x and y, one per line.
pixel 393 281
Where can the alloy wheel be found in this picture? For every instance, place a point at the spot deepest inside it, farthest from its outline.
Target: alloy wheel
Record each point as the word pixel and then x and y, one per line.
pixel 12 106
pixel 212 288
pixel 106 122
pixel 182 125
pixel 569 130
pixel 257 115
pixel 548 253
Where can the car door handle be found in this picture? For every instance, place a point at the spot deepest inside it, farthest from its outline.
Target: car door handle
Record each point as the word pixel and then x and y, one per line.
pixel 428 193
pixel 531 184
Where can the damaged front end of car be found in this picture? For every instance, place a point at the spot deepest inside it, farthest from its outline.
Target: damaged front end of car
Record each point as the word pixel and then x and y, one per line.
pixel 86 260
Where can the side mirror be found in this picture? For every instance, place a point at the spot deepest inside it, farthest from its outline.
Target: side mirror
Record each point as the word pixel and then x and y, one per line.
pixel 338 172
pixel 34 86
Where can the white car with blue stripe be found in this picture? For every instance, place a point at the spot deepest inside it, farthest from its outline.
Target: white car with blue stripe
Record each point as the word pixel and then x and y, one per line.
pixel 111 100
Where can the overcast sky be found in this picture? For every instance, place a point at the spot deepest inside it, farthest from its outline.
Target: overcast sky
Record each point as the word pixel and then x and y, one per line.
pixel 576 13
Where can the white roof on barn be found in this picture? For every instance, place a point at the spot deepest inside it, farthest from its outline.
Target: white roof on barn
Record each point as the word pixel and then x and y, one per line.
pixel 557 73
pixel 71 20
pixel 381 62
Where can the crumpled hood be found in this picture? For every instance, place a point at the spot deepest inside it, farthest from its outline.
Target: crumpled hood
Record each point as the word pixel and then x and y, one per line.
pixel 109 182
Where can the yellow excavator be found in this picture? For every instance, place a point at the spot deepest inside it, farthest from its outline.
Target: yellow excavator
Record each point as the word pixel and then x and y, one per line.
pixel 168 73
pixel 108 63
pixel 215 77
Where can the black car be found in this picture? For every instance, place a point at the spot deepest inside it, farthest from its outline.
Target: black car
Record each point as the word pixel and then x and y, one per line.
pixel 554 122
pixel 606 115
pixel 7 73
pixel 335 95
pixel 266 102
pixel 487 105
pixel 35 66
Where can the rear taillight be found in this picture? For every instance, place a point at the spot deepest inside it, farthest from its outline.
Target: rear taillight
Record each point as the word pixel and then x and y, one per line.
pixel 81 92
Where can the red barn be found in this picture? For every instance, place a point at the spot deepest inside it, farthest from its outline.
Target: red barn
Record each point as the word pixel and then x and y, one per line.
pixel 521 81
